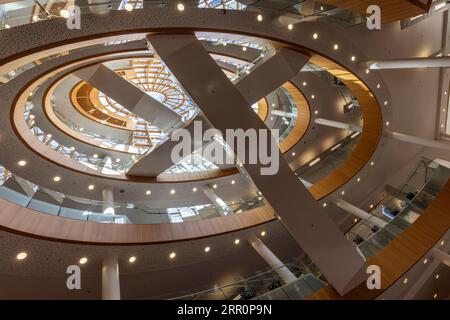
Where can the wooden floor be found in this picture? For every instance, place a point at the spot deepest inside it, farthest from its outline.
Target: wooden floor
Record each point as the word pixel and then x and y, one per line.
pixel 404 251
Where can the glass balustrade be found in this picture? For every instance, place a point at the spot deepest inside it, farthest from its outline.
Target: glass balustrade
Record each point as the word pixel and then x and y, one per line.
pixel 29 195
pixel 265 285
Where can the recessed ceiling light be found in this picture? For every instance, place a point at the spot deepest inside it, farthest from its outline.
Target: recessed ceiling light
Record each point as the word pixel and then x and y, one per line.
pixel 273 104
pixel 244 48
pixel 371 206
pixel 315 36
pixel 236 241
pixel 263 233
pixel 353 58
pixel 57 179
pixel 324 205
pixel 91 187
pixel 72 148
pixel 194 189
pixel 7 26
pixel 83 260
pixel 343 192
pixel 293 154
pixel 64 13
pixel 172 191
pixel 367 71
pixel 442 242
pixel 132 259
pixel 387 123
pixel 386 103
pixel 372 163
pixel 95 156
pixel 290 26
pixel 437 276
pixel 425 261
pixel 172 255
pixel 22 163
pixel 21 256
pixel 304 83
pixel 336 46
pixel 117 160
pixel 405 281
pixel 148 192
pixel 435 296
pixel 313 96
pixel 259 17
pixel 233 181
pixel 316 112
pixel 356 220
pixel 49 135
pixel 207 249
pixel 359 179
pixel 180 7
pixel 215 186
pixel 378 86
pixel 128 7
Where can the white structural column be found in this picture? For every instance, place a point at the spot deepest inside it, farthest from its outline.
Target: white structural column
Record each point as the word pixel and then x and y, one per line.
pixel 282 113
pixel 215 200
pixel 110 278
pixel 418 141
pixel 272 260
pixel 226 108
pixel 337 124
pixel 357 212
pixel 441 256
pixel 411 63
pixel 108 200
pixel 129 95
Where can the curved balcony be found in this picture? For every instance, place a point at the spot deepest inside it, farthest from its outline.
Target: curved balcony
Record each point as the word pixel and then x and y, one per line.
pixel 401 208
pixel 26 194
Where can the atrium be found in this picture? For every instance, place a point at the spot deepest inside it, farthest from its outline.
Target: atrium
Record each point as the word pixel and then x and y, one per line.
pixel 224 150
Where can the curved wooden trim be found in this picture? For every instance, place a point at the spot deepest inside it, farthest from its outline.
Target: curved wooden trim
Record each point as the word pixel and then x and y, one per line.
pixel 21 220
pixel 402 253
pixel 370 135
pixel 82 104
pixel 392 10
pixel 263 109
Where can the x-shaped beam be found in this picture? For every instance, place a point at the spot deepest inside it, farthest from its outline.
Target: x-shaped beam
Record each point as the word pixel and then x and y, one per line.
pixel 227 108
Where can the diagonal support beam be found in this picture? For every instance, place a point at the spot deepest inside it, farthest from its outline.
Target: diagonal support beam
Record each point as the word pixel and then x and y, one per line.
pixel 129 96
pixel 263 80
pixel 226 108
pixel 271 74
